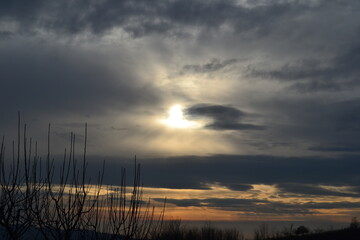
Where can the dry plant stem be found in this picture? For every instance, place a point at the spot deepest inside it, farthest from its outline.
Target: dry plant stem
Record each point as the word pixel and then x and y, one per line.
pixel 59 202
pixel 15 213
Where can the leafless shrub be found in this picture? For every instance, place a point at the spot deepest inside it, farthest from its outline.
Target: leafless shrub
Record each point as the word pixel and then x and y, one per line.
pixel 65 204
pixel 18 187
pixel 262 232
pixel 354 224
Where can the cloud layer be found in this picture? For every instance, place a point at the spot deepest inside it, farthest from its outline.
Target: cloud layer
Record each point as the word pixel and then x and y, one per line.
pixel 276 84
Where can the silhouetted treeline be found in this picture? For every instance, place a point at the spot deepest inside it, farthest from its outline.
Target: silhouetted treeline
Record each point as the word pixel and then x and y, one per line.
pixel 343 234
pixel 174 230
pixel 303 233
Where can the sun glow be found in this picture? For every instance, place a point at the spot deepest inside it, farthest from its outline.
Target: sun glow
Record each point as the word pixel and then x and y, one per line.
pixel 176 118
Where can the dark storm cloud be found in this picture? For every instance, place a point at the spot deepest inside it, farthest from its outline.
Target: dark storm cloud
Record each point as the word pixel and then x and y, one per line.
pixel 184 184
pixel 5 35
pixel 348 115
pixel 226 113
pixel 304 173
pixel 238 187
pixel 303 209
pixel 332 205
pixel 183 202
pixel 310 189
pixel 214 65
pixel 338 148
pixel 223 117
pixel 330 126
pixel 215 202
pixel 338 73
pixel 63 80
pixel 321 124
pixel 144 17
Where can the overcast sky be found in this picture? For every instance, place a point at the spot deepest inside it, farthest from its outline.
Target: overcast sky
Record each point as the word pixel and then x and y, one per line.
pixel 268 93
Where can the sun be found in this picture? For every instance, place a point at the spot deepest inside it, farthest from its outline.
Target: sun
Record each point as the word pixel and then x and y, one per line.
pixel 176 118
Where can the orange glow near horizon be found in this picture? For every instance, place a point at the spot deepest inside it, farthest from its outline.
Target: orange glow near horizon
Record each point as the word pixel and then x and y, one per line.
pixel 198 214
pixel 260 193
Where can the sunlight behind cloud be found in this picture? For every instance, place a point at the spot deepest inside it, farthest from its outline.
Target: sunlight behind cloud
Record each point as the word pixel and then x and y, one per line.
pixel 176 119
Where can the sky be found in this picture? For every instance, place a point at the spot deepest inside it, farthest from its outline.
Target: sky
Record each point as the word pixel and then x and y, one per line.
pixel 237 110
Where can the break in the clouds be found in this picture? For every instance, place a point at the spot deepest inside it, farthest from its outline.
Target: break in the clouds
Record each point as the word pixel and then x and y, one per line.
pixel 280 80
